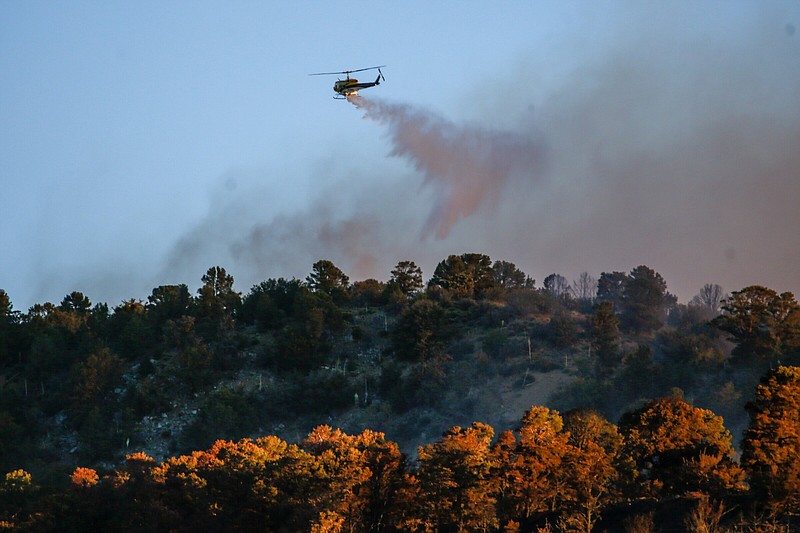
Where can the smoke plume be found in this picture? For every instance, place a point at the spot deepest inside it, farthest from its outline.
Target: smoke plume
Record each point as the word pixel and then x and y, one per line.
pixel 672 149
pixel 468 166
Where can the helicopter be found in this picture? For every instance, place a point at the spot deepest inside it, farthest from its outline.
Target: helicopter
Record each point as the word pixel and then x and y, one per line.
pixel 350 86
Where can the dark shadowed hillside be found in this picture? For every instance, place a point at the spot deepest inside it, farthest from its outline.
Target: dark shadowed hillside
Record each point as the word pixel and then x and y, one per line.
pixel 478 346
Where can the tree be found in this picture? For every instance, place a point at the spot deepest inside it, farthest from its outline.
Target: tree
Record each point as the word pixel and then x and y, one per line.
pixel 638 372
pixel 529 478
pixel 561 330
pixel 763 324
pixel 593 448
pixel 584 289
pixel 76 302
pixel 17 494
pixel 557 285
pixel 464 276
pixel 301 343
pixel 270 303
pixel 132 335
pixel 408 277
pixel 168 302
pixel 605 338
pixel 771 444
pixel 420 332
pixel 327 278
pixel 585 426
pixel 455 492
pixel 611 288
pixel 508 276
pixel 644 299
pixel 709 299
pixel 677 447
pixel 83 478
pixel 95 377
pixel 8 323
pixel 216 298
pixel 367 292
pixel 355 478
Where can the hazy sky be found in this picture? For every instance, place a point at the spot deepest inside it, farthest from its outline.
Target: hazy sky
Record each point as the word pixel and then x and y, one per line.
pixel 144 142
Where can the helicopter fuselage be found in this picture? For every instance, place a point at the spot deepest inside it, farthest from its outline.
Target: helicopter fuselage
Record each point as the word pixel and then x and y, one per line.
pixel 351 86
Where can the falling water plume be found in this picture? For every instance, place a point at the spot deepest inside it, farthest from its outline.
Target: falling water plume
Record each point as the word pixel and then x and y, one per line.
pixel 468 166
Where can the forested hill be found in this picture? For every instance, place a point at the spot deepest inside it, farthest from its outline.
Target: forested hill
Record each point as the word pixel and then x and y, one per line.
pixel 609 378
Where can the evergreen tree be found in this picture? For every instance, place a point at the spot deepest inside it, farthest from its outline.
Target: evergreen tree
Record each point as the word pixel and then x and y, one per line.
pixel 605 341
pixel 408 277
pixel 644 299
pixel 327 278
pixel 465 276
pixel 764 325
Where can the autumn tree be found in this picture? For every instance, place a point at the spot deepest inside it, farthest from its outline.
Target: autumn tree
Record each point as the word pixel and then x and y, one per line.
pixel 677 447
pixel 17 495
pixel 455 492
pixel 771 444
pixel 354 478
pixel 764 325
pixel 378 496
pixel 590 464
pixel 245 485
pixel 584 426
pixel 528 476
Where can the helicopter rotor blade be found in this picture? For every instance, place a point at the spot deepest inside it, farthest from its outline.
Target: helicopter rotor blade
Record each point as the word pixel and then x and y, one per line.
pixel 347 72
pixel 368 68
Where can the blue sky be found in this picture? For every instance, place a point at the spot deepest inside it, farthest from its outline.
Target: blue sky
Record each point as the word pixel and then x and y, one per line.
pixel 143 142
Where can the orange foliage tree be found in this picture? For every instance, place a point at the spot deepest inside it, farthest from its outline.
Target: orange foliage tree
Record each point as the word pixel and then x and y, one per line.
pixel 454 492
pixel 677 447
pixel 771 444
pixel 529 478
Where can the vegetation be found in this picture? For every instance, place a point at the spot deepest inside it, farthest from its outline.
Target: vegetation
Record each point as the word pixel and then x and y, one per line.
pixel 185 412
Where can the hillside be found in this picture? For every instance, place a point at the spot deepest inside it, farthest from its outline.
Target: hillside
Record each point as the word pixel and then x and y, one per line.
pixel 85 384
pixel 150 395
